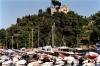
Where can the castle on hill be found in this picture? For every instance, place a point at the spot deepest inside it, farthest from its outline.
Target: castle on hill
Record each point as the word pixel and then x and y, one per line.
pixel 63 9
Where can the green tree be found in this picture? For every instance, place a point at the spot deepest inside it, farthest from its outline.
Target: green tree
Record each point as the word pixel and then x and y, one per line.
pixel 55 2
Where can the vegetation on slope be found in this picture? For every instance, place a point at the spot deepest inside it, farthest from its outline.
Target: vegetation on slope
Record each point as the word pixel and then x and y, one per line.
pixel 69 29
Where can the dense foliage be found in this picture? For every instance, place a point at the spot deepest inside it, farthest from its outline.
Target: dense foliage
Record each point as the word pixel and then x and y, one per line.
pixel 55 2
pixel 69 29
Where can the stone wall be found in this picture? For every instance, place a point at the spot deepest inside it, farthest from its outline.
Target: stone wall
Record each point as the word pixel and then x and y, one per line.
pixel 63 9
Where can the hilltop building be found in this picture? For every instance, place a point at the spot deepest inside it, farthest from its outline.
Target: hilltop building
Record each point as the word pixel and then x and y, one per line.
pixel 63 9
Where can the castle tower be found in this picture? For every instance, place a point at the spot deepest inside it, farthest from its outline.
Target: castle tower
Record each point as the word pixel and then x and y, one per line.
pixel 63 9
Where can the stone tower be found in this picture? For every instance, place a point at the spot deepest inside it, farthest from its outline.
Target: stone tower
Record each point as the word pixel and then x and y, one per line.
pixel 63 9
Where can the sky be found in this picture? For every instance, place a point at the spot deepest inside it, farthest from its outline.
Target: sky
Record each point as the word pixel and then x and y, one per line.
pixel 10 10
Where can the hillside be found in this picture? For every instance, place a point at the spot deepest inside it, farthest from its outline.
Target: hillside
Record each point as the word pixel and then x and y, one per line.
pixel 37 29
